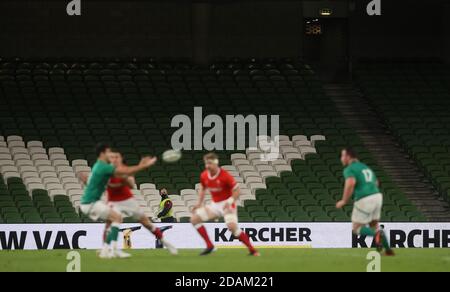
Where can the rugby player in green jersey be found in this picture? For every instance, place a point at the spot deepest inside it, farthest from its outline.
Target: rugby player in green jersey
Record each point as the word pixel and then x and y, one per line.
pixel 361 185
pixel 91 204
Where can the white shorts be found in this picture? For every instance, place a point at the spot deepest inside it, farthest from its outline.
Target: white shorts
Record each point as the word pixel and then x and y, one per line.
pixel 96 211
pixel 216 210
pixel 128 208
pixel 368 209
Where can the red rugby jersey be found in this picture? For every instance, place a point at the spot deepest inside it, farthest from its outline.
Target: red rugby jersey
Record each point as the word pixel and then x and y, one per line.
pixel 220 186
pixel 121 193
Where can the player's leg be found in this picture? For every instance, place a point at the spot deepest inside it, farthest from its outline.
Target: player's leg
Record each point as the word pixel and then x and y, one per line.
pixel 147 223
pixel 366 216
pixel 363 229
pixel 107 224
pixel 375 224
pixel 91 212
pixel 362 216
pixel 378 234
pixel 104 252
pixel 231 220
pixel 116 219
pixel 106 231
pixel 200 216
pixel 100 210
pixel 381 239
pixel 130 208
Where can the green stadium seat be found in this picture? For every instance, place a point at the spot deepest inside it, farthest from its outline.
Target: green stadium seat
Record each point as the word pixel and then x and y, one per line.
pixel 64 117
pixel 423 133
pixel 53 220
pixel 13 220
pixel 187 219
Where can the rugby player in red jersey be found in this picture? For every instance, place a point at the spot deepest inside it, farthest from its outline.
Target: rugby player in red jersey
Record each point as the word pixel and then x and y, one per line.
pixel 121 198
pixel 225 193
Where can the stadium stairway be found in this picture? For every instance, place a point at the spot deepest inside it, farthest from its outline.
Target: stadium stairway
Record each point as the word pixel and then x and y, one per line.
pixel 375 135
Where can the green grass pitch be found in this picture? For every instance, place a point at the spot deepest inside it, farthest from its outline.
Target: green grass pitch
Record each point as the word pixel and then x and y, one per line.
pixel 231 260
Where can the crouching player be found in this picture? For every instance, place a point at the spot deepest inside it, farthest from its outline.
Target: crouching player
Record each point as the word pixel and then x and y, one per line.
pixel 225 192
pixel 362 183
pixel 120 197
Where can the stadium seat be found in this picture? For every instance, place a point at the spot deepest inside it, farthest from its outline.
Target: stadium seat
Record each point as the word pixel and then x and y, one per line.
pixel 50 124
pixel 413 98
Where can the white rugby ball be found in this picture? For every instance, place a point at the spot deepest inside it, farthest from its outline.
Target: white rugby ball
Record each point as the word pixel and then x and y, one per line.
pixel 171 156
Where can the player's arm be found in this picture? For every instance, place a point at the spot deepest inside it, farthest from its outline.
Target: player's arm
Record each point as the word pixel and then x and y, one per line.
pixel 235 191
pixel 234 196
pixel 349 188
pixel 145 163
pixel 130 182
pixel 84 177
pixel 201 197
pixel 115 185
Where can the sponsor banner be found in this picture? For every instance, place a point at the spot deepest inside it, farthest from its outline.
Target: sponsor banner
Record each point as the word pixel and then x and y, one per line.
pixel 289 235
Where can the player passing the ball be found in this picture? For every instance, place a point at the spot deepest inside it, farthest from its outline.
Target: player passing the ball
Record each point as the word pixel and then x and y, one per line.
pixel 361 183
pixel 225 193
pixel 91 204
pixel 121 198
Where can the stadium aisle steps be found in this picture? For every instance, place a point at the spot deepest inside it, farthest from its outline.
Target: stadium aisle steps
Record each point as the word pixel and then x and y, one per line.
pixel 412 99
pixel 363 118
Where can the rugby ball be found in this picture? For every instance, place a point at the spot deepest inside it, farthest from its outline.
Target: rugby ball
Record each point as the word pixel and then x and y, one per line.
pixel 171 156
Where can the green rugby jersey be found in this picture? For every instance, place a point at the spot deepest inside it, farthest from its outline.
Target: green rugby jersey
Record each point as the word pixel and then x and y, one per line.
pixel 366 180
pixel 98 181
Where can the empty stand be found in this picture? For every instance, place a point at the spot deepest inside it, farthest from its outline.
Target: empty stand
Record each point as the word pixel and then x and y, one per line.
pixel 54 112
pixel 390 155
pixel 413 101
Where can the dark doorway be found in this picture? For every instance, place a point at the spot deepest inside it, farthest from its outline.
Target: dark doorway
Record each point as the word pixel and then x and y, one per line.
pixel 326 47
